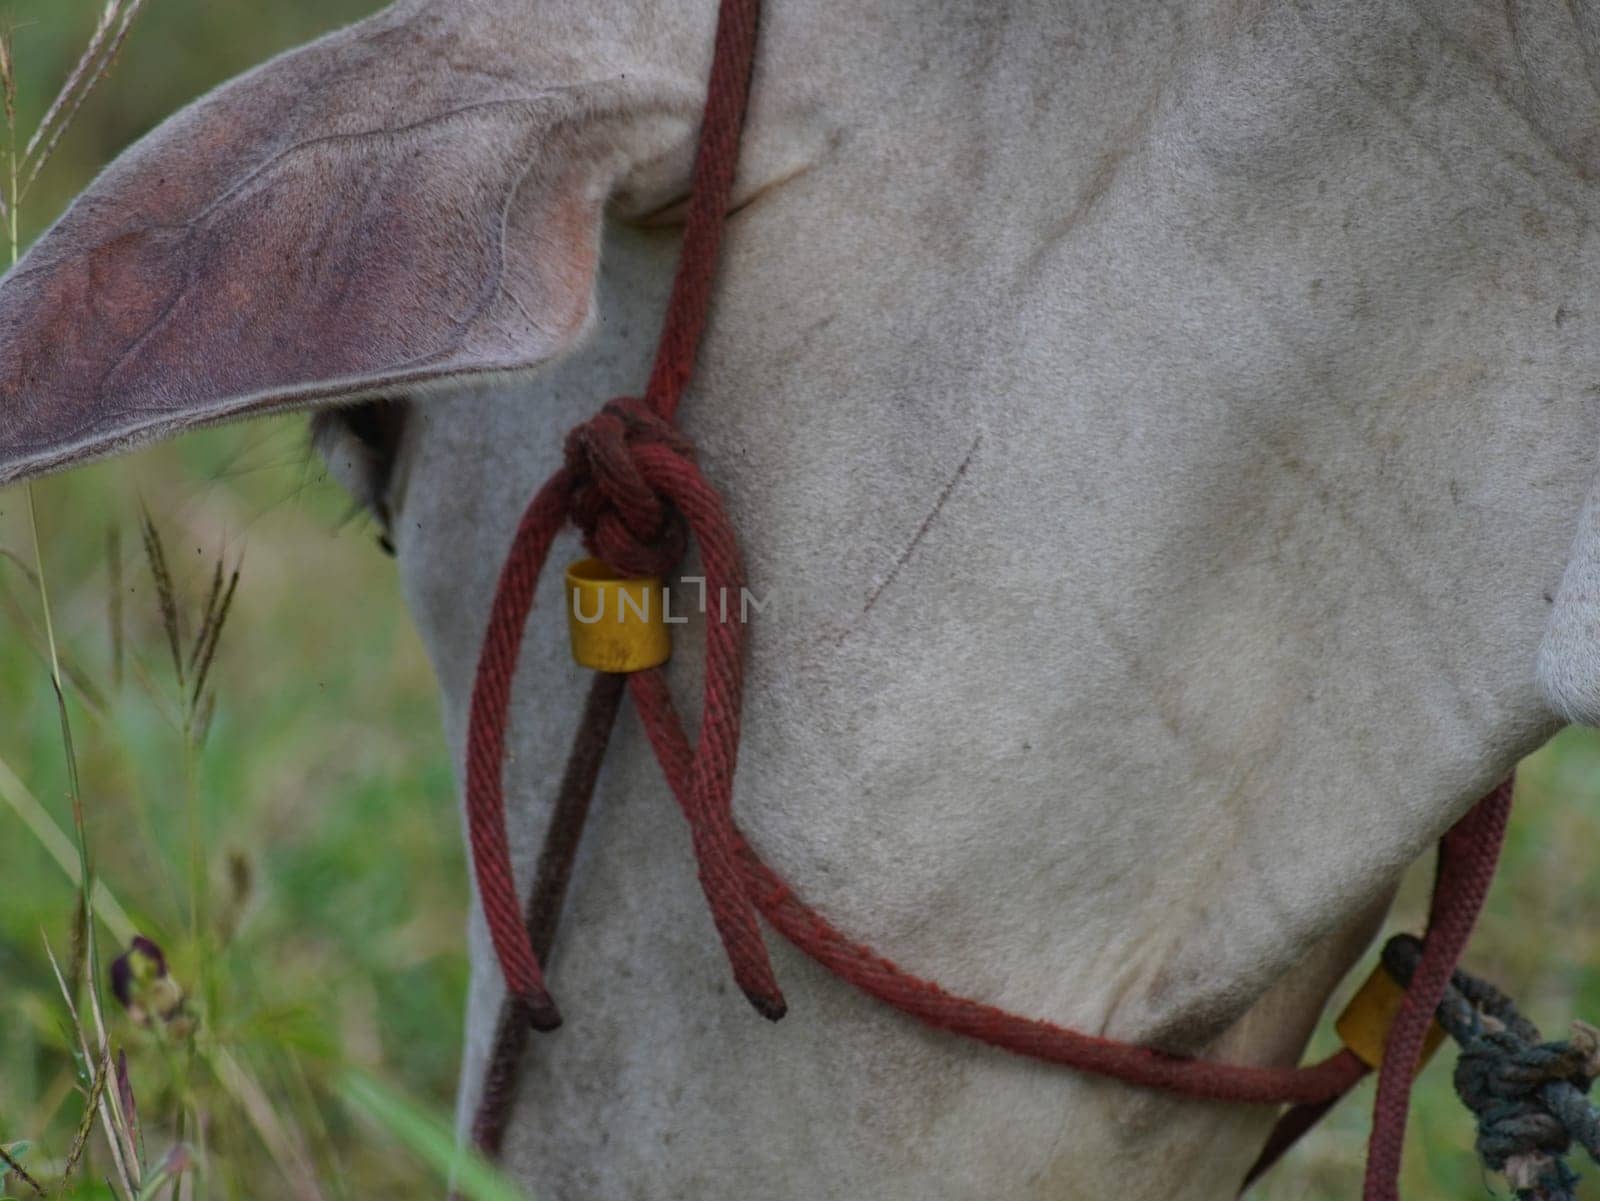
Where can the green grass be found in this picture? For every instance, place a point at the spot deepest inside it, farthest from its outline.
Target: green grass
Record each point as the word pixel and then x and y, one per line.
pixel 293 848
pixel 334 887
pixel 285 830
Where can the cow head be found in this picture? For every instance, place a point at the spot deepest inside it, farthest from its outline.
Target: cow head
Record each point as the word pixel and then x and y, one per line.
pixel 415 199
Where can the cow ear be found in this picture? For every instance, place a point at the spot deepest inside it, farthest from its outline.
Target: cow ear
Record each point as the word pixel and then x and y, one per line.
pixel 380 209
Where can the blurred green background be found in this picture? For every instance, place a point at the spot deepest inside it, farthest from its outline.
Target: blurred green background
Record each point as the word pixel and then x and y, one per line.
pixel 333 865
pixel 333 880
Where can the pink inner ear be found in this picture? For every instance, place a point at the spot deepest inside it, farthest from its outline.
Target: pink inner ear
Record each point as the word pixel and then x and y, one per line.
pixel 552 252
pixel 337 265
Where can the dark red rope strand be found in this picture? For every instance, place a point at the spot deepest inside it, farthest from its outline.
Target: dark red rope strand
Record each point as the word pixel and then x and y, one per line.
pixel 710 192
pixel 486 750
pixel 631 484
pixel 1468 856
pixel 498 1093
pixel 1296 1122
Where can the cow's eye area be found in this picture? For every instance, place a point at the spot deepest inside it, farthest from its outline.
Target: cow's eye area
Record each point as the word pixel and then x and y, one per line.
pixel 361 445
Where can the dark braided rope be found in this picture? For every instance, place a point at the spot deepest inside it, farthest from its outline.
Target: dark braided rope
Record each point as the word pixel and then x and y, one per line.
pixel 542 914
pixel 1530 1096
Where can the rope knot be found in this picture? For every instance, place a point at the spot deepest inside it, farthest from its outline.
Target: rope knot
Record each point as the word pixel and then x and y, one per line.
pixel 1529 1095
pixel 1505 1082
pixel 624 519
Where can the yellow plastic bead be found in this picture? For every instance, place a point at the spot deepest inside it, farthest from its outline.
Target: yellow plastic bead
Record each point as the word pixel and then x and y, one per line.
pixel 1364 1024
pixel 615 624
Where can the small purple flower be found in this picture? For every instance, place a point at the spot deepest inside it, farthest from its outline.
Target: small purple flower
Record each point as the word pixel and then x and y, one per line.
pixel 143 961
pixel 143 986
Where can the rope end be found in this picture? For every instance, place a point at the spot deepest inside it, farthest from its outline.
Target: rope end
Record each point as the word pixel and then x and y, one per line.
pixel 771 1006
pixel 542 1013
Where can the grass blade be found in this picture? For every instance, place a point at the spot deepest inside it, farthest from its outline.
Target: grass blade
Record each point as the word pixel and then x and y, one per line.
pixel 97 1089
pixel 50 836
pixel 166 595
pixel 282 1140
pixel 8 96
pixel 207 615
pixel 80 1138
pixel 20 1172
pixel 76 78
pixel 114 603
pixel 429 1139
pixel 101 70
pixel 207 649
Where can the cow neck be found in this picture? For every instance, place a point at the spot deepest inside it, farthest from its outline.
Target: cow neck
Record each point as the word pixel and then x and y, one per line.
pixel 631 485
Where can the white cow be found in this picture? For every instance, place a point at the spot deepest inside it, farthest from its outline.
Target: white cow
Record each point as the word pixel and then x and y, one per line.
pixel 1164 425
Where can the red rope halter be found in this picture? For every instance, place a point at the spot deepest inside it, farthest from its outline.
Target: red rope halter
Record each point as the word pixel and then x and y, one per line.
pixel 630 484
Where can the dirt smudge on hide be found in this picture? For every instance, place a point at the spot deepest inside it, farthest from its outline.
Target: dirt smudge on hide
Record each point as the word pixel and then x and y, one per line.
pixel 1102 176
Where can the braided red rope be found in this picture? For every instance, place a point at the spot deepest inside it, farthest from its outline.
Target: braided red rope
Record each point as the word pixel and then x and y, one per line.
pixel 630 483
pixel 609 486
pixel 1468 856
